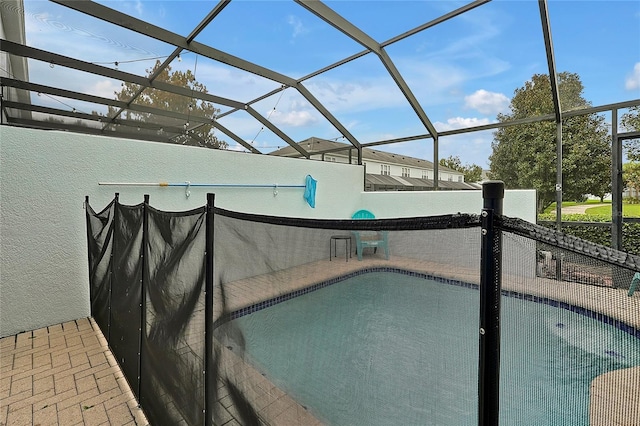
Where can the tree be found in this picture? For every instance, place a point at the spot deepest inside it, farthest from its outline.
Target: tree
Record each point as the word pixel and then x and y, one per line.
pixel 524 156
pixel 472 172
pixel 631 176
pixel 631 123
pixel 631 119
pixel 199 135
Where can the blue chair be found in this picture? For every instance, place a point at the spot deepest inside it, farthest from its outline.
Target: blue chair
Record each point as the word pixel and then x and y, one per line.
pixel 373 239
pixel 634 284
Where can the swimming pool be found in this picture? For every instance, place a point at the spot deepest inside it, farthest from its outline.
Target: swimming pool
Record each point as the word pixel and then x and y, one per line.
pixel 384 348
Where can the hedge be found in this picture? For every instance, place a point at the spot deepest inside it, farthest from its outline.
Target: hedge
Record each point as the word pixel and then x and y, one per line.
pixel 596 234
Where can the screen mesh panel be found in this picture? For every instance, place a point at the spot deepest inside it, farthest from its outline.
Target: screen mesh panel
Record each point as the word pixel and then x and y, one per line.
pixel 580 352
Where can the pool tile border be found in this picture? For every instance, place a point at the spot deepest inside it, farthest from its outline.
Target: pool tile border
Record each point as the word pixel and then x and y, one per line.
pixel 509 293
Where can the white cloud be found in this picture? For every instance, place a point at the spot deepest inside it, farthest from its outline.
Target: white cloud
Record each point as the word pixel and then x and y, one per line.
pixel 439 82
pixel 228 82
pixel 429 78
pixel 293 118
pixel 242 125
pixel 356 96
pixel 296 25
pixel 104 88
pixel 487 102
pixel 633 80
pixel 63 32
pixel 233 146
pixel 460 123
pixel 132 6
pixel 471 148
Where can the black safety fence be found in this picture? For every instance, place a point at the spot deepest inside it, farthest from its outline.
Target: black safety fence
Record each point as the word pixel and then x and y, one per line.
pixel 147 272
pixel 218 316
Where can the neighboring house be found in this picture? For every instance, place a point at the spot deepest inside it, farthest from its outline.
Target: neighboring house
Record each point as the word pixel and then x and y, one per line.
pixel 384 171
pixel 628 192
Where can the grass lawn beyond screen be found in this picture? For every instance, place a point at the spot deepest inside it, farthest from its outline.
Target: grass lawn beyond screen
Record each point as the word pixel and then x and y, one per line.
pixel 628 210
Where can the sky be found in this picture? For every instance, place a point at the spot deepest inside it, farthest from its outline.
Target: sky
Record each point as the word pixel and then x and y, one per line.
pixel 463 71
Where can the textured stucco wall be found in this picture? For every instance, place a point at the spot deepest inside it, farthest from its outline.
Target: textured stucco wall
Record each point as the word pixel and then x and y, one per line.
pixel 517 203
pixel 44 177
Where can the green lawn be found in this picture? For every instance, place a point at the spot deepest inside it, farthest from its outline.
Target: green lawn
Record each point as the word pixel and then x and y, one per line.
pixel 552 207
pixel 628 210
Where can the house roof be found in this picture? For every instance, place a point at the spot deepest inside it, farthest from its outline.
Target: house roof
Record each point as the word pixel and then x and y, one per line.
pixel 416 183
pixel 317 146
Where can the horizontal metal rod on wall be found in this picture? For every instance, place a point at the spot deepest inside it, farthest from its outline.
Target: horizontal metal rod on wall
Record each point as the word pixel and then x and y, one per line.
pixel 183 184
pixel 309 187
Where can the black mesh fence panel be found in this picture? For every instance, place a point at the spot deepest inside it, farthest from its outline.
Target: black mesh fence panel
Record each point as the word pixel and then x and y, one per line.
pixel 99 240
pixel 305 333
pixel 126 291
pixel 172 385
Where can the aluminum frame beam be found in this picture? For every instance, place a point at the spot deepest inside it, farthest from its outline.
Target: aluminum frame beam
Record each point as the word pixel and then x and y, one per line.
pixel 557 107
pixel 88 67
pixel 617 185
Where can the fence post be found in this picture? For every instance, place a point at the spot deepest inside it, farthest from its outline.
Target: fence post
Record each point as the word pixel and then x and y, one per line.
pixel 89 239
pixel 116 222
pixel 490 292
pixel 209 383
pixel 143 293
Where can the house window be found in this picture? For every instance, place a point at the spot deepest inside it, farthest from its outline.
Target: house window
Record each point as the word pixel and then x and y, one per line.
pixel 385 169
pixel 405 172
pixel 424 174
pixel 332 159
pixel 459 178
pixel 450 178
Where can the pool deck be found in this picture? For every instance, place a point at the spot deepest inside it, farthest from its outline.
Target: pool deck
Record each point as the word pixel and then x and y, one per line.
pixel 65 374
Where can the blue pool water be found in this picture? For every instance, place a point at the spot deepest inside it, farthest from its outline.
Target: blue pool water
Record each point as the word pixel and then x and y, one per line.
pixel 390 349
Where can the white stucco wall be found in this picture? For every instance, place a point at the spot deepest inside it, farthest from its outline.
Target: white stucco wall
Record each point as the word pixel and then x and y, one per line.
pixel 45 175
pixel 517 203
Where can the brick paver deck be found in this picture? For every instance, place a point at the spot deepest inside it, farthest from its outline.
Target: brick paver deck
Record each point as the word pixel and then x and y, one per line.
pixel 64 374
